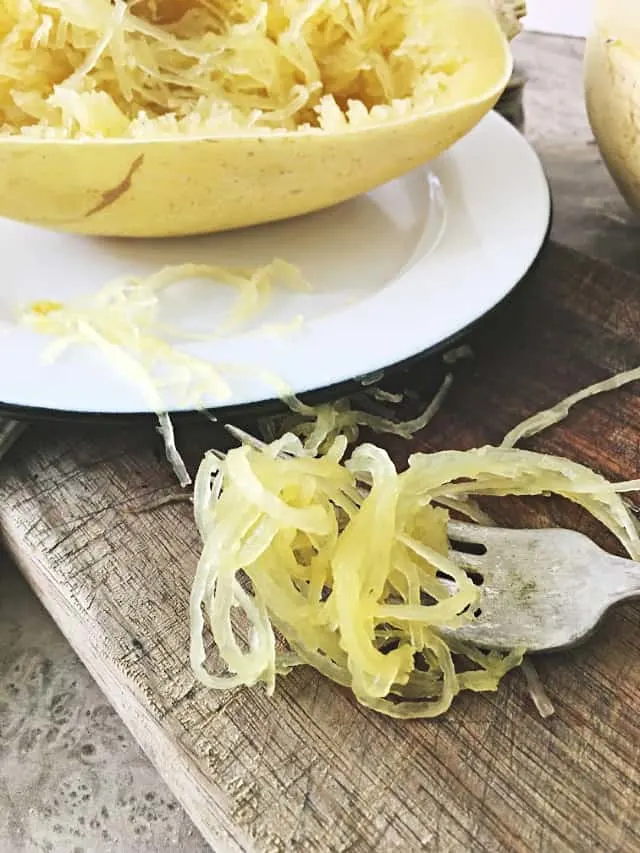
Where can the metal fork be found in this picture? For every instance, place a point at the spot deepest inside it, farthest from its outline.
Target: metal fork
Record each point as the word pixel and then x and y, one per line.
pixel 540 589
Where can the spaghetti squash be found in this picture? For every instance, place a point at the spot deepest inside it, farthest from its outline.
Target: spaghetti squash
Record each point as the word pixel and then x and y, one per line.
pixel 158 117
pixel 344 558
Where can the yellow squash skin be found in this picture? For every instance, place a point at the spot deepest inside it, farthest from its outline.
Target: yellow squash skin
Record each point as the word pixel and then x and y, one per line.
pixel 170 187
pixel 612 80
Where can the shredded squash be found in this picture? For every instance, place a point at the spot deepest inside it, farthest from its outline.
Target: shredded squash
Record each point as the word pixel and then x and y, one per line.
pixel 344 560
pixel 321 425
pixel 548 417
pixel 122 318
pixel 110 68
pixel 122 321
pixel 509 13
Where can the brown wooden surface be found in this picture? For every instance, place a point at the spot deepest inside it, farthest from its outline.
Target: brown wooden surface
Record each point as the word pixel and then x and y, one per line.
pixel 309 770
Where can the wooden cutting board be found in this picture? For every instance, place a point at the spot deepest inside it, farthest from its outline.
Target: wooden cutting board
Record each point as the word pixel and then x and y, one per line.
pixel 310 770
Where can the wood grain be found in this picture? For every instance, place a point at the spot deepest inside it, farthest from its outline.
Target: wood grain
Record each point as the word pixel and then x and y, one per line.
pixel 309 770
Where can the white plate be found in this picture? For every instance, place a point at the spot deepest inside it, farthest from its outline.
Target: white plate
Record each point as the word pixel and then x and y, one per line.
pixel 395 273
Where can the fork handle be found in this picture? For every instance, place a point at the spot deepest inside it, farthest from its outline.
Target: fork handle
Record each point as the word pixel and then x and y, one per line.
pixel 627 583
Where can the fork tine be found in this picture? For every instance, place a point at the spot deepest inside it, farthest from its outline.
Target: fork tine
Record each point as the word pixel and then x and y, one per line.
pixel 472 534
pixel 468 562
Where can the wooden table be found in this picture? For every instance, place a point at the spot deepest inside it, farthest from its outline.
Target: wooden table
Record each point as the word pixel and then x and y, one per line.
pixel 309 770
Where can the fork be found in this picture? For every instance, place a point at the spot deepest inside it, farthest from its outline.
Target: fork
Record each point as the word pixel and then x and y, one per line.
pixel 539 589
